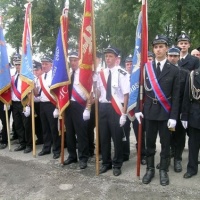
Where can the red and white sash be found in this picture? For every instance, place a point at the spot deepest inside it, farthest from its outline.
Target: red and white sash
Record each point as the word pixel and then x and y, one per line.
pixel 46 91
pixel 156 87
pixel 114 99
pixel 16 92
pixel 78 98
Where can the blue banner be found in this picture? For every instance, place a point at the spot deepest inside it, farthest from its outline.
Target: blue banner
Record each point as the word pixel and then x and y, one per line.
pixel 135 75
pixel 60 80
pixel 5 78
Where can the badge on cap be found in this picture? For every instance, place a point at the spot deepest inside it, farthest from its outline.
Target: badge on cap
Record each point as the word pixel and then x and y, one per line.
pixel 183 36
pixel 156 37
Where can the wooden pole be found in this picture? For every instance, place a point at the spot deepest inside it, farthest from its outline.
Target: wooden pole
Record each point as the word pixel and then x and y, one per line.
pixel 95 91
pixel 33 123
pixel 62 139
pixel 8 127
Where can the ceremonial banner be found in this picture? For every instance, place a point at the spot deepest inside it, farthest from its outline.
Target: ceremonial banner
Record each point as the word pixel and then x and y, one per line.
pixel 26 72
pixel 135 75
pixel 5 78
pixel 85 51
pixel 60 81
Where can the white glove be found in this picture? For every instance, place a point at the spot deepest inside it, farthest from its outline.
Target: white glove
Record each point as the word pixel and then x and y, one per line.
pixel 27 111
pixel 122 119
pixel 171 123
pixel 95 77
pixel 185 124
pixel 55 113
pixel 4 107
pixel 86 115
pixel 138 115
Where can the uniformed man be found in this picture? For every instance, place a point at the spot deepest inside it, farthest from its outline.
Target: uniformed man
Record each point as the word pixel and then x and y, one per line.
pixel 191 113
pixel 178 136
pixel 21 116
pixel 113 99
pixel 126 143
pixel 77 115
pixel 37 70
pixel 161 103
pixel 48 111
pixel 186 61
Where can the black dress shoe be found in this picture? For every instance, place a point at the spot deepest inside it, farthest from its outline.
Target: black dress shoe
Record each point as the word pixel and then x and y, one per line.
pixel 27 150
pixel 164 178
pixel 55 156
pixel 188 175
pixel 69 161
pixel 3 146
pixel 177 166
pixel 116 171
pixel 148 176
pixel 104 169
pixel 82 165
pixel 42 153
pixel 20 148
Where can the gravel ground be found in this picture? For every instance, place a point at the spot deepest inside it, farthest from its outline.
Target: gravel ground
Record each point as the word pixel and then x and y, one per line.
pixel 24 177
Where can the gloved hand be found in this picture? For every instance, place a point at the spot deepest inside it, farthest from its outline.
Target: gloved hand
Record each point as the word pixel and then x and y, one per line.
pixel 55 113
pixel 122 119
pixel 185 124
pixel 86 114
pixel 27 111
pixel 4 107
pixel 138 115
pixel 171 123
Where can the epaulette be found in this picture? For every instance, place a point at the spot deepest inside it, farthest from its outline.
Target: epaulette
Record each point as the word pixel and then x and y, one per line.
pixel 122 71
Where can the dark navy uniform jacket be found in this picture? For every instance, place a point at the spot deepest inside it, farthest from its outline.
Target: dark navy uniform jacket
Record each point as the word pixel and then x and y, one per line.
pixel 169 84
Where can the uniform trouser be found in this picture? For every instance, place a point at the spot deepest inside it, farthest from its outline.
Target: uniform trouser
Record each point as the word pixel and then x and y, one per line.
pixel 178 140
pixel 22 124
pixel 38 125
pixel 49 127
pixel 135 128
pixel 152 128
pixel 194 146
pixel 91 126
pixel 109 128
pixel 3 120
pixel 126 144
pixel 76 126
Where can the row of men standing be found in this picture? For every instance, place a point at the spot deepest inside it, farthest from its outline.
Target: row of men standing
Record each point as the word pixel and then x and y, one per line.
pixel 112 118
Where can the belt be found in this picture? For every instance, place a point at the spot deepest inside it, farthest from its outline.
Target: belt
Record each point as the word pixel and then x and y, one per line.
pixel 196 101
pixel 155 100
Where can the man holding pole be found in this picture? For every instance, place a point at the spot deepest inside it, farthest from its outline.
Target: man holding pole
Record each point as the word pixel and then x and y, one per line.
pixel 161 104
pixel 113 101
pixel 48 111
pixel 21 115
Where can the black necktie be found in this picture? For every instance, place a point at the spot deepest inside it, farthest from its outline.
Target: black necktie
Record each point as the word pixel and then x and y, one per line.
pixel 16 80
pixel 182 59
pixel 71 85
pixel 108 93
pixel 158 71
pixel 45 76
